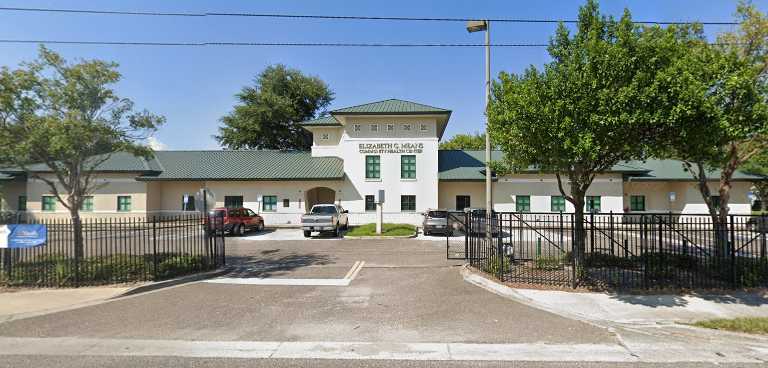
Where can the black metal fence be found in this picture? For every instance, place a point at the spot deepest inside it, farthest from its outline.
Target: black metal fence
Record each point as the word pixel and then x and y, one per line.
pixel 635 251
pixel 115 250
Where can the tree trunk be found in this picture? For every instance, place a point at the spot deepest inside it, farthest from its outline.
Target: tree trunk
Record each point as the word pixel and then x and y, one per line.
pixel 77 234
pixel 579 234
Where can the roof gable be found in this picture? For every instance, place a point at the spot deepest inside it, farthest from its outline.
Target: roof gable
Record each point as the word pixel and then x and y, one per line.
pixel 391 106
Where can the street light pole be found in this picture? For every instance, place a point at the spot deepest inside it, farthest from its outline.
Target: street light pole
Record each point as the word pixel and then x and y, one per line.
pixel 476 26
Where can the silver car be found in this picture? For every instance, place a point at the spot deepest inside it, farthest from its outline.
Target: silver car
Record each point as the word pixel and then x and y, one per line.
pixel 325 218
pixel 437 222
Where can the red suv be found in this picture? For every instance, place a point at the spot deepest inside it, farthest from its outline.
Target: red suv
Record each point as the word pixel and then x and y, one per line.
pixel 239 220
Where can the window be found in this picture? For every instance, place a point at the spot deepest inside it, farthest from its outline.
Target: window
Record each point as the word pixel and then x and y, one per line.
pixel 408 203
pixel 407 127
pixel 374 127
pixel 523 203
pixel 324 136
pixel 87 205
pixel 637 203
pixel 557 204
pixel 123 203
pixel 233 201
pixel 390 127
pixel 423 127
pixel 370 203
pixel 408 167
pixel 49 203
pixel 188 203
pixel 22 203
pixel 593 204
pixel 286 203
pixel 372 167
pixel 356 127
pixel 462 202
pixel 269 203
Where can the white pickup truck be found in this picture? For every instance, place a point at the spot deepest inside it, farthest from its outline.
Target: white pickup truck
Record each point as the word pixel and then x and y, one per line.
pixel 325 218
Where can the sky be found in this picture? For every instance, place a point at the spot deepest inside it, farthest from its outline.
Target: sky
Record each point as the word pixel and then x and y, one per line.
pixel 193 87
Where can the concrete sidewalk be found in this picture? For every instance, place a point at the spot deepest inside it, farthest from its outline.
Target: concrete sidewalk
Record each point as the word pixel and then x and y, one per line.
pixel 15 304
pixel 633 308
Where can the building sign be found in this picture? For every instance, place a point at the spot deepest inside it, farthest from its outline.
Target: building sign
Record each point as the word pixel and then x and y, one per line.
pixel 22 236
pixel 391 147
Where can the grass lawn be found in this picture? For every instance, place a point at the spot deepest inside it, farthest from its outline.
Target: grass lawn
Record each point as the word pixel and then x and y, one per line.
pixel 748 325
pixel 386 230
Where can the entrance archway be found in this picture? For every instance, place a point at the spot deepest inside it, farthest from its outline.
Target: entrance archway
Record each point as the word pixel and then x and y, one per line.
pixel 319 195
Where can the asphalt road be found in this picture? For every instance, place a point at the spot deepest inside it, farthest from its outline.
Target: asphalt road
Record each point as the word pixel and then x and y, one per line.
pixel 407 292
pixel 148 362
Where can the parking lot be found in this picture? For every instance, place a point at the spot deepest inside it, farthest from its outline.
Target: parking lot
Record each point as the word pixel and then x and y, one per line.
pixel 406 291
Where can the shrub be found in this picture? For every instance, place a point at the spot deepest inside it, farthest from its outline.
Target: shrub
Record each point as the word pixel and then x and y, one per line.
pixel 549 263
pixel 496 264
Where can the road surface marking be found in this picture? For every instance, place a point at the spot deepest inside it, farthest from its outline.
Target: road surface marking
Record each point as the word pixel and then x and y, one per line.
pixel 270 281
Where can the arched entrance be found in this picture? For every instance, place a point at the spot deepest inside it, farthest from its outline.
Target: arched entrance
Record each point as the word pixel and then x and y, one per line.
pixel 319 195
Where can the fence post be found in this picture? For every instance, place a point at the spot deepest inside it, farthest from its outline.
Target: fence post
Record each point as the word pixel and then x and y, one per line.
pixel 644 249
pixel 154 248
pixel 574 252
pixel 612 240
pixel 732 248
pixel 592 232
pixel 762 227
pixel 223 244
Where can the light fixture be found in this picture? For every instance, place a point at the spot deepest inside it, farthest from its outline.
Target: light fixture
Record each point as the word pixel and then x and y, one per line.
pixel 476 26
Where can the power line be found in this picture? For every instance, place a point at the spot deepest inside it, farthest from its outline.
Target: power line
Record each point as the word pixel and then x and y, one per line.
pixel 266 44
pixel 330 17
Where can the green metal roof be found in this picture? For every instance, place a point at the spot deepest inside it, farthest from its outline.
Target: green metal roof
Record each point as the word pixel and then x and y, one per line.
pixel 117 162
pixel 391 106
pixel 460 165
pixel 322 121
pixel 246 165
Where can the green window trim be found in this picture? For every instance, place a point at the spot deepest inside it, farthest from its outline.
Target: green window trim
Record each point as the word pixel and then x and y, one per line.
pixel 637 203
pixel 557 204
pixel 373 167
pixel 87 205
pixel 407 203
pixel 593 204
pixel 22 204
pixel 123 203
pixel 523 203
pixel 49 203
pixel 408 167
pixel 269 203
pixel 370 203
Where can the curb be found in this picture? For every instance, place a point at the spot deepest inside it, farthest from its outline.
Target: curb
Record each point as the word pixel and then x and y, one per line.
pixel 381 237
pixel 152 286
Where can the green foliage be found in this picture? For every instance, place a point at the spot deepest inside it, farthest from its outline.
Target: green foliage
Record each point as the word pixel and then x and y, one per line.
pixel 550 262
pixel 386 230
pixel 268 112
pixel 753 325
pixel 496 264
pixel 474 141
pixel 115 268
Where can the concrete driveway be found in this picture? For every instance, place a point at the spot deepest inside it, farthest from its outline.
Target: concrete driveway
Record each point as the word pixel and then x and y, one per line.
pixel 282 234
pixel 406 292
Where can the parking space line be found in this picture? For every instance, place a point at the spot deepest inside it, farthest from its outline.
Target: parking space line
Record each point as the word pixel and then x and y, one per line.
pixel 351 275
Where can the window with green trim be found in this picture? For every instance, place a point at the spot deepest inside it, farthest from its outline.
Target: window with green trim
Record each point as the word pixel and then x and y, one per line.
pixel 407 203
pixel 123 203
pixel 233 201
pixel 637 203
pixel 269 203
pixel 593 204
pixel 557 204
pixel 408 167
pixel 49 203
pixel 372 167
pixel 523 203
pixel 22 205
pixel 87 205
pixel 370 203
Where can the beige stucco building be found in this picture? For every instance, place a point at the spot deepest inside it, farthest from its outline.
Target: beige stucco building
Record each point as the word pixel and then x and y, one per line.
pixel 358 151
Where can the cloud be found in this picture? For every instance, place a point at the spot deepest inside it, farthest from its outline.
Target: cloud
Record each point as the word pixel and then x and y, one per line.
pixel 155 144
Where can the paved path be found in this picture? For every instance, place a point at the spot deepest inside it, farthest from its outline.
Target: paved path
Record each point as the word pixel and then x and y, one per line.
pixel 16 304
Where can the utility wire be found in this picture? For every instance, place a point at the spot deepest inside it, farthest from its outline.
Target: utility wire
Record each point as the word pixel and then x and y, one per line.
pixel 333 17
pixel 292 44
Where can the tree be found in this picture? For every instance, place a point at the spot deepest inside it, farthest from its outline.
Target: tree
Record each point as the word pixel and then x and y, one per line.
pixel 718 109
pixel 268 112
pixel 474 141
pixel 590 108
pixel 67 117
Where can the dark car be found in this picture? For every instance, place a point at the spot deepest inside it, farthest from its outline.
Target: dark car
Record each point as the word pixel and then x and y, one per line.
pixel 478 221
pixel 758 224
pixel 239 220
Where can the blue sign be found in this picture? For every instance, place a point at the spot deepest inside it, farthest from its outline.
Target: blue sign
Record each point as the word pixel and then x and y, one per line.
pixel 22 236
